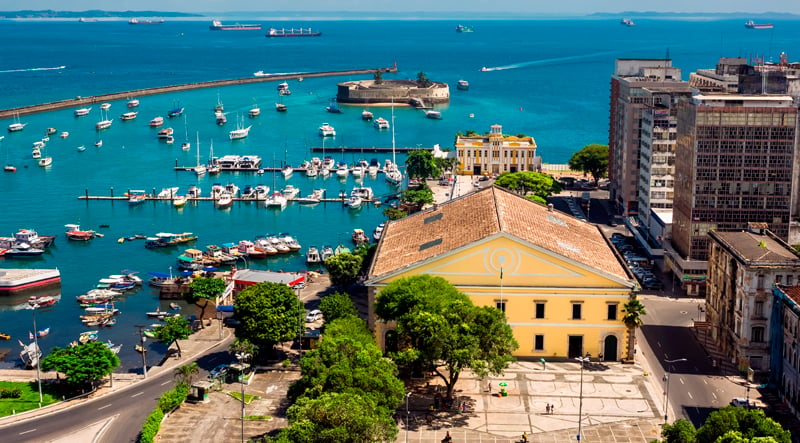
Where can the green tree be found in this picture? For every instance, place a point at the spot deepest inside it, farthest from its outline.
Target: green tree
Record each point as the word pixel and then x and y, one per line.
pixel 378 77
pixel 204 290
pixel 343 269
pixel 538 184
pixel 681 431
pixel 243 346
pixel 446 163
pixel 87 363
pixel 338 417
pixel 173 329
pixel 441 330
pixel 350 327
pixel 337 305
pixel 185 374
pixel 633 311
pixel 592 159
pixel 749 423
pixel 421 164
pixel 397 214
pixel 269 313
pixel 417 198
pixel 422 80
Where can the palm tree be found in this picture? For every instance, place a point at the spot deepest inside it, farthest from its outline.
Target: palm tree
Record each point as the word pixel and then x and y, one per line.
pixel 634 310
pixel 185 374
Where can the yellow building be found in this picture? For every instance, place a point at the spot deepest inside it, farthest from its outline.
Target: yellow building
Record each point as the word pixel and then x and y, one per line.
pixel 495 153
pixel 557 278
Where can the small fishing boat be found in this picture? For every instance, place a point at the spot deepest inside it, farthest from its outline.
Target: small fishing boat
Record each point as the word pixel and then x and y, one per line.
pixel 132 103
pixel 359 237
pixel 81 148
pixel 128 116
pixel 4 336
pixel 82 111
pixel 64 134
pixel 366 115
pixel 156 122
pixel 41 302
pixel 255 111
pixel 179 201
pixel 74 232
pixel 98 144
pixel 44 332
pixel 105 106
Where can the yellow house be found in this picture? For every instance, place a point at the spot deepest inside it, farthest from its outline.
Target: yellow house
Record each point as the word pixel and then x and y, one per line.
pixel 557 278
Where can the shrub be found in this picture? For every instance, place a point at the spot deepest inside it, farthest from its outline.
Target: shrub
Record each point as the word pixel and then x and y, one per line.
pixel 151 426
pixel 10 393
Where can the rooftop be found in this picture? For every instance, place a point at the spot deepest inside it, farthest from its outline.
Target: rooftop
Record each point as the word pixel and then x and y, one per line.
pixel 757 249
pixel 491 211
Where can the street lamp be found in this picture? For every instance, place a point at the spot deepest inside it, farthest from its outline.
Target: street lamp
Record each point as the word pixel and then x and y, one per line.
pixel 666 388
pixel 408 394
pixel 242 357
pixel 37 355
pixel 580 395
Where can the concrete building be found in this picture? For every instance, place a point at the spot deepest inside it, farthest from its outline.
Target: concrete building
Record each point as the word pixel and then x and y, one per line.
pixel 495 153
pixel 557 278
pixel 785 361
pixel 643 94
pixel 742 267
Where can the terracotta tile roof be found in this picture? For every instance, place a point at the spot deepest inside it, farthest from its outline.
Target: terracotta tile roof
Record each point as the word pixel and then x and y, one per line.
pixel 792 292
pixel 491 211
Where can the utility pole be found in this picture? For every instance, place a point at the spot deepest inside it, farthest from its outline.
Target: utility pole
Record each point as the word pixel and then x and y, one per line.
pixel 142 339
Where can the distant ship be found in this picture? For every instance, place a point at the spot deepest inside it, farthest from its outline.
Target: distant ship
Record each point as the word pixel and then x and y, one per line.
pixel 136 21
pixel 753 25
pixel 627 22
pixel 462 28
pixel 283 32
pixel 217 25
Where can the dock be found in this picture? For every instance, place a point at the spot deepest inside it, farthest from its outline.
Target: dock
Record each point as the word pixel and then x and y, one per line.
pixel 374 149
pixel 151 198
pixel 96 99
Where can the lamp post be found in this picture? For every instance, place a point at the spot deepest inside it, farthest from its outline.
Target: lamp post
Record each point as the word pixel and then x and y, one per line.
pixel 408 394
pixel 36 353
pixel 666 388
pixel 242 357
pixel 580 395
pixel 144 350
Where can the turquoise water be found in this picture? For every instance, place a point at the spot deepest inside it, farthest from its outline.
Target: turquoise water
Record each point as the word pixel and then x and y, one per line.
pixel 549 79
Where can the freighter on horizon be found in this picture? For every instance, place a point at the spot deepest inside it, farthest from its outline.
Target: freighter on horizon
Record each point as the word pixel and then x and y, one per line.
pixel 217 25
pixel 753 25
pixel 300 32
pixel 136 21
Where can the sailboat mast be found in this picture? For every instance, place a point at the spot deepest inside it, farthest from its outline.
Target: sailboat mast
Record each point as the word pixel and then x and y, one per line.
pixel 198 147
pixel 394 160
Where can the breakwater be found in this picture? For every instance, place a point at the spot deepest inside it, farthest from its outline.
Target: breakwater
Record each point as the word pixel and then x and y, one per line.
pixel 90 100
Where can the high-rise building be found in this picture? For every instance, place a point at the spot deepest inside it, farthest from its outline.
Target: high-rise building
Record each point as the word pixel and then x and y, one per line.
pixel 639 87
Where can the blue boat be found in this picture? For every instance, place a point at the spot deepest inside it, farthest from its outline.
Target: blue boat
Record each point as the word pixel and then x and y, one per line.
pixel 334 107
pixel 177 112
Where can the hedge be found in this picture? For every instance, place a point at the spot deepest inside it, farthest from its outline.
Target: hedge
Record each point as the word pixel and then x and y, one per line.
pixel 151 426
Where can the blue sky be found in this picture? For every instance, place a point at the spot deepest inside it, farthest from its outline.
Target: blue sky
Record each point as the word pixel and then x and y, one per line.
pixel 521 6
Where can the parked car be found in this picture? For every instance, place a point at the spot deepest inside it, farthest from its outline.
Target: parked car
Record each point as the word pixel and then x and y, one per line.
pixel 218 371
pixel 313 316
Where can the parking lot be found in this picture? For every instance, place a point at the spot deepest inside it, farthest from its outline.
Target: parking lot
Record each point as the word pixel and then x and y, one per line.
pixel 638 262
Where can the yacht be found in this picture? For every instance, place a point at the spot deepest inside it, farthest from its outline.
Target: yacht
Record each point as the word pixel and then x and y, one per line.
pixel 378 232
pixel 105 106
pixel 363 192
pixel 225 200
pixel 342 170
pixel 327 130
pixel 354 202
pixel 326 253
pixel 381 123
pixel 193 192
pixel 128 116
pixel 462 85
pixel 290 192
pixel 366 115
pixel 133 103
pixel 255 111
pixel 261 192
pixel 312 256
pixel 82 111
pixel 287 171
pixel 276 200
pixel 240 132
pixel 435 115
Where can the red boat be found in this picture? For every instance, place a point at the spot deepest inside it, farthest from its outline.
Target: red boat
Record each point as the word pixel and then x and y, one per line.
pixel 74 232
pixel 41 302
pixel 10 168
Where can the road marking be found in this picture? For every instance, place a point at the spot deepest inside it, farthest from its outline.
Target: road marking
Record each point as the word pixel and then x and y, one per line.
pixel 26 432
pixel 658 343
pixel 705 382
pixel 103 407
pixel 166 382
pixel 690 395
pixel 714 395
pixel 681 380
pixel 137 394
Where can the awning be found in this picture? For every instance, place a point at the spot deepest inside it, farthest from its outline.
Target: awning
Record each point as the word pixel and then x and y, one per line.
pixel 159 274
pixel 225 308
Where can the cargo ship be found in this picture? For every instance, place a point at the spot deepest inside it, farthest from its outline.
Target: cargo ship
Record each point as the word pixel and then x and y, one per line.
pixel 136 21
pixel 217 25
pixel 300 32
pixel 753 25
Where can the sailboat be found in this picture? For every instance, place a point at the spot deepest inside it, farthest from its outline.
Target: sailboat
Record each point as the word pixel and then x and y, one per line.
pixel 240 132
pixel 200 169
pixel 16 126
pixel 45 161
pixel 213 166
pixel 219 107
pixel 187 145
pixel 255 111
pixel 104 122
pixel 8 167
pixel 280 107
pixel 392 171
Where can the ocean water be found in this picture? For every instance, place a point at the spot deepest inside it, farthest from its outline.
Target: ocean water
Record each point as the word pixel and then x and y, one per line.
pixel 546 78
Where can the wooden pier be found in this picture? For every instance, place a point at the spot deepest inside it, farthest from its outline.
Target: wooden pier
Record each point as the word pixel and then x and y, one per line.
pixel 96 99
pixel 150 198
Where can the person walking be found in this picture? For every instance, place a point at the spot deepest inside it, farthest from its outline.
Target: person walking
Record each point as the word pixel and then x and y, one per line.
pixel 447 438
pixel 524 437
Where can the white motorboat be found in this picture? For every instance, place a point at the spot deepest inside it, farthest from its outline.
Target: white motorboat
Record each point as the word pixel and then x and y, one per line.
pixel 82 111
pixel 225 200
pixel 381 123
pixel 45 161
pixel 167 193
pixel 354 202
pixel 64 134
pixel 366 115
pixel 128 116
pixel 378 232
pixel 132 103
pixel 312 171
pixel 290 192
pixel 326 130
pixel 105 106
pixel 326 253
pixel 193 192
pixel 261 192
pixel 287 171
pixel 311 199
pixel 363 191
pixel 255 111
pixel 36 153
pixel 342 170
pixel 312 255
pixel 179 201
pixel 435 115
pixel 97 144
pixel 276 200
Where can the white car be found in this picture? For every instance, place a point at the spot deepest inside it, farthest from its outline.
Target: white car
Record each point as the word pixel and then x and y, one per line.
pixel 313 316
pixel 740 402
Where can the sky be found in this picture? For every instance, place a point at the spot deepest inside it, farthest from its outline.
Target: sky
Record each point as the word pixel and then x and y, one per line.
pixel 577 7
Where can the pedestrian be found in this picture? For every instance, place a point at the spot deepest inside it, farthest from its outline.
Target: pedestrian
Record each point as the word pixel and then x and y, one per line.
pixel 524 437
pixel 552 409
pixel 489 388
pixel 547 408
pixel 447 438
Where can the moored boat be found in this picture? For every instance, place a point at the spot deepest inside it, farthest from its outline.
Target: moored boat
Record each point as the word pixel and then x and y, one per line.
pixel 42 302
pixel 435 115
pixel 128 116
pixel 300 32
pixel 136 197
pixel 378 232
pixel 381 123
pixel 82 111
pixel 156 121
pixel 326 130
pixel 74 232
pixel 366 115
pixel 462 85
pixel 312 255
pixel 359 237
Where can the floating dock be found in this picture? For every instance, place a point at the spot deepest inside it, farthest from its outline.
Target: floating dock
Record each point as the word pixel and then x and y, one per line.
pixel 14 281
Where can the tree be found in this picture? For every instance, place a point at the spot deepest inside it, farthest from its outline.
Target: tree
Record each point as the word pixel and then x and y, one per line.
pixel 337 305
pixel 536 183
pixel 243 346
pixel 417 198
pixel 446 163
pixel 681 431
pixel 397 214
pixel 185 374
pixel 632 318
pixel 268 313
pixel 422 80
pixel 592 159
pixel 87 363
pixel 203 290
pixel 343 268
pixel 338 417
pixel 378 77
pixel 442 331
pixel 173 329
pixel 421 164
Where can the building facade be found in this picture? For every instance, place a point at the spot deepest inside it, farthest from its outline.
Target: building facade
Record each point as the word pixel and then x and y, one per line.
pixel 736 163
pixel 785 362
pixel 742 267
pixel 495 153
pixel 638 86
pixel 557 278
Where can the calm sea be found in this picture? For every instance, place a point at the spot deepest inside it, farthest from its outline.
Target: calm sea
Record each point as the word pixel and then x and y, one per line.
pixel 548 78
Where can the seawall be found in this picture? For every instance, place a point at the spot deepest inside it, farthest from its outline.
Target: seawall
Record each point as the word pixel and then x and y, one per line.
pixel 84 101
